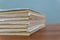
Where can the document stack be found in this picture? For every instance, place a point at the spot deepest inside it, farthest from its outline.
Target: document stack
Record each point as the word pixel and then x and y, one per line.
pixel 21 22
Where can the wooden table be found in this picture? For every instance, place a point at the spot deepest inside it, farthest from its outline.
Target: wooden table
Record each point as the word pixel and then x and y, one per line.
pixel 50 32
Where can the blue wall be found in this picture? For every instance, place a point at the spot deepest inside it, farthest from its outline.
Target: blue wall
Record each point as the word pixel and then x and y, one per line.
pixel 51 8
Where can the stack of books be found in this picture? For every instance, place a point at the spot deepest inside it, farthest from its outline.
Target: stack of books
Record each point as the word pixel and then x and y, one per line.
pixel 22 22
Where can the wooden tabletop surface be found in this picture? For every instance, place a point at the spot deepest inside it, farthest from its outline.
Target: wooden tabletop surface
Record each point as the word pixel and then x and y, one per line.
pixel 50 32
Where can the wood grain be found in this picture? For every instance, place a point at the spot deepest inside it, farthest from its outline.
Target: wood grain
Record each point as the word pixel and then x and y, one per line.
pixel 50 32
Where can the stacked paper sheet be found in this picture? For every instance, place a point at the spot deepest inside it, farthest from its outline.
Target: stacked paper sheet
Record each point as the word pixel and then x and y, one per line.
pixel 22 22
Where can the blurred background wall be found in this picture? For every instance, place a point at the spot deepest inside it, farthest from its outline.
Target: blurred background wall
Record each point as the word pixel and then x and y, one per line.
pixel 50 8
